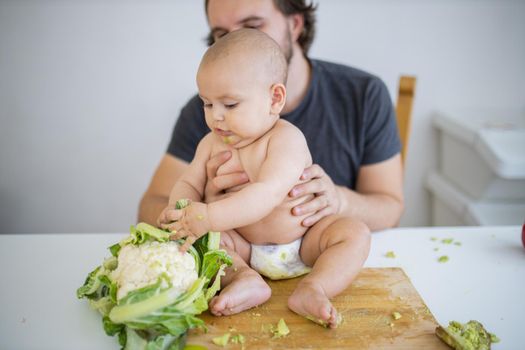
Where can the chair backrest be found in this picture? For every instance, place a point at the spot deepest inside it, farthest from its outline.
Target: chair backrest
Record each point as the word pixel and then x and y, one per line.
pixel 405 99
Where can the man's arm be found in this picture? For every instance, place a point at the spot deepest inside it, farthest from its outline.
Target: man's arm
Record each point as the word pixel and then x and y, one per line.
pixel 378 200
pixel 156 197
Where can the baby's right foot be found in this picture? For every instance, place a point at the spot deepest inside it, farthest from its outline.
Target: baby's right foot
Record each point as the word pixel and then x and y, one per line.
pixel 309 300
pixel 246 290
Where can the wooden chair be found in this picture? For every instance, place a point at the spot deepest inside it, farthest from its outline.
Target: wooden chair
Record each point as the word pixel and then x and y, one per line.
pixel 405 99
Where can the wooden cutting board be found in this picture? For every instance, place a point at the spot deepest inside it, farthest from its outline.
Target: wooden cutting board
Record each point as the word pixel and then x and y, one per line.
pixel 366 306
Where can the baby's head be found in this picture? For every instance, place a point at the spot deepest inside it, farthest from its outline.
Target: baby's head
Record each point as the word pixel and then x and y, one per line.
pixel 241 82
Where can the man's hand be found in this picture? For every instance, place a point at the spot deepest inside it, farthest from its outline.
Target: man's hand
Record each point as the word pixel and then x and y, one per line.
pixel 217 184
pixel 326 200
pixel 191 223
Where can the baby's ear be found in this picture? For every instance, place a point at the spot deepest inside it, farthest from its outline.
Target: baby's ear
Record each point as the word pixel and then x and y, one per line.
pixel 278 93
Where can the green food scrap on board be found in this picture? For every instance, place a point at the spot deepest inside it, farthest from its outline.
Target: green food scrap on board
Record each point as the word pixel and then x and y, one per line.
pixel 281 330
pixel 222 340
pixel 238 339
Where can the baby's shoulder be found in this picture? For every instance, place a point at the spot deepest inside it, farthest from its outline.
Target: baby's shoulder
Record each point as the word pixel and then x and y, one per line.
pixel 285 129
pixel 206 144
pixel 288 136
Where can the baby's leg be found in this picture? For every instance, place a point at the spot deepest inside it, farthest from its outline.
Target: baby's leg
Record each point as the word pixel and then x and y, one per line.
pixel 242 287
pixel 337 248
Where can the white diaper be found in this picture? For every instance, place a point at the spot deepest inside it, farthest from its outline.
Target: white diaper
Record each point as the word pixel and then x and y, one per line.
pixel 278 261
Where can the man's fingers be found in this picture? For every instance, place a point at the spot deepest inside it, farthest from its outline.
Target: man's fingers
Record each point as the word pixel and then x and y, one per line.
pixel 226 181
pixel 313 219
pixel 314 186
pixel 312 172
pixel 215 162
pixel 316 204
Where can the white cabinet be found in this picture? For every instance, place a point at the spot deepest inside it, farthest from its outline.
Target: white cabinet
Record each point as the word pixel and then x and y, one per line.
pixel 481 174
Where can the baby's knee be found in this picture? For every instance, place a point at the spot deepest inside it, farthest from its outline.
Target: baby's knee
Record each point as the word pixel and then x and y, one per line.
pixel 227 242
pixel 362 234
pixel 345 229
pixel 232 242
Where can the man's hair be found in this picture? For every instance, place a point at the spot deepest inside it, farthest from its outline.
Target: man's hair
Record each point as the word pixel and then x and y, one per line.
pixel 287 8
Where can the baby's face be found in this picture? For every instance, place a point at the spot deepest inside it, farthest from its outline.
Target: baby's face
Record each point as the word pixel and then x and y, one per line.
pixel 237 102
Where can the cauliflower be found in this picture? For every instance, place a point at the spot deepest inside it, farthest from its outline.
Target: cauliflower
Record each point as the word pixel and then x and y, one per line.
pixel 149 293
pixel 140 266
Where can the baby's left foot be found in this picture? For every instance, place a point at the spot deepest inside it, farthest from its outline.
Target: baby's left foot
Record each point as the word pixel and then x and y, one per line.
pixel 309 300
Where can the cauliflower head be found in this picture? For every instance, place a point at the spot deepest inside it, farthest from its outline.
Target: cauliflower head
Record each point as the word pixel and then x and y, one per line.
pixel 140 266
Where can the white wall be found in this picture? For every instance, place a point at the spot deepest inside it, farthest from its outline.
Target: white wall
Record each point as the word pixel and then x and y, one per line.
pixel 90 90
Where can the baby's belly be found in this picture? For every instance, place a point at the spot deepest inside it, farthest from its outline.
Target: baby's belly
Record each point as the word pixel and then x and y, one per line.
pixel 279 227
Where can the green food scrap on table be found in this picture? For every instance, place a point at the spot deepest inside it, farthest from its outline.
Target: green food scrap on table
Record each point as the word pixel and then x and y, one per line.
pixel 390 254
pixel 222 340
pixel 469 336
pixel 457 243
pixel 447 240
pixel 443 259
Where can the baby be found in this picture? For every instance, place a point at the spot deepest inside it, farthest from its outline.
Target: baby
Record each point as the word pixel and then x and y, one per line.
pixel 241 83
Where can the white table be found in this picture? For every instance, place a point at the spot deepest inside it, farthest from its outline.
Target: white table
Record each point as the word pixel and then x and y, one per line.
pixel 484 280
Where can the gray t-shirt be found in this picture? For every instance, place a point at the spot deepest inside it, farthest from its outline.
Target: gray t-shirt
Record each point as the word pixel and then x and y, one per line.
pixel 346 116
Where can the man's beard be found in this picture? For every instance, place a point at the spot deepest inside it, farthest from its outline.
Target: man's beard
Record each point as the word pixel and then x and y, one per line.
pixel 287 46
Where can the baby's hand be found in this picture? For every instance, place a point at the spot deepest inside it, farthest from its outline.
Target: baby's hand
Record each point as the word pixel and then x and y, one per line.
pixel 167 216
pixel 191 222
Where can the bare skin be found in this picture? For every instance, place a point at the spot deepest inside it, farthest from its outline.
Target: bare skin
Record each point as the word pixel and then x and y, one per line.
pixel 243 288
pixel 310 300
pixel 246 289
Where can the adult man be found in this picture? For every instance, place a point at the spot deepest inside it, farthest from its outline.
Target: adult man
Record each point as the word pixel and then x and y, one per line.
pixel 345 114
